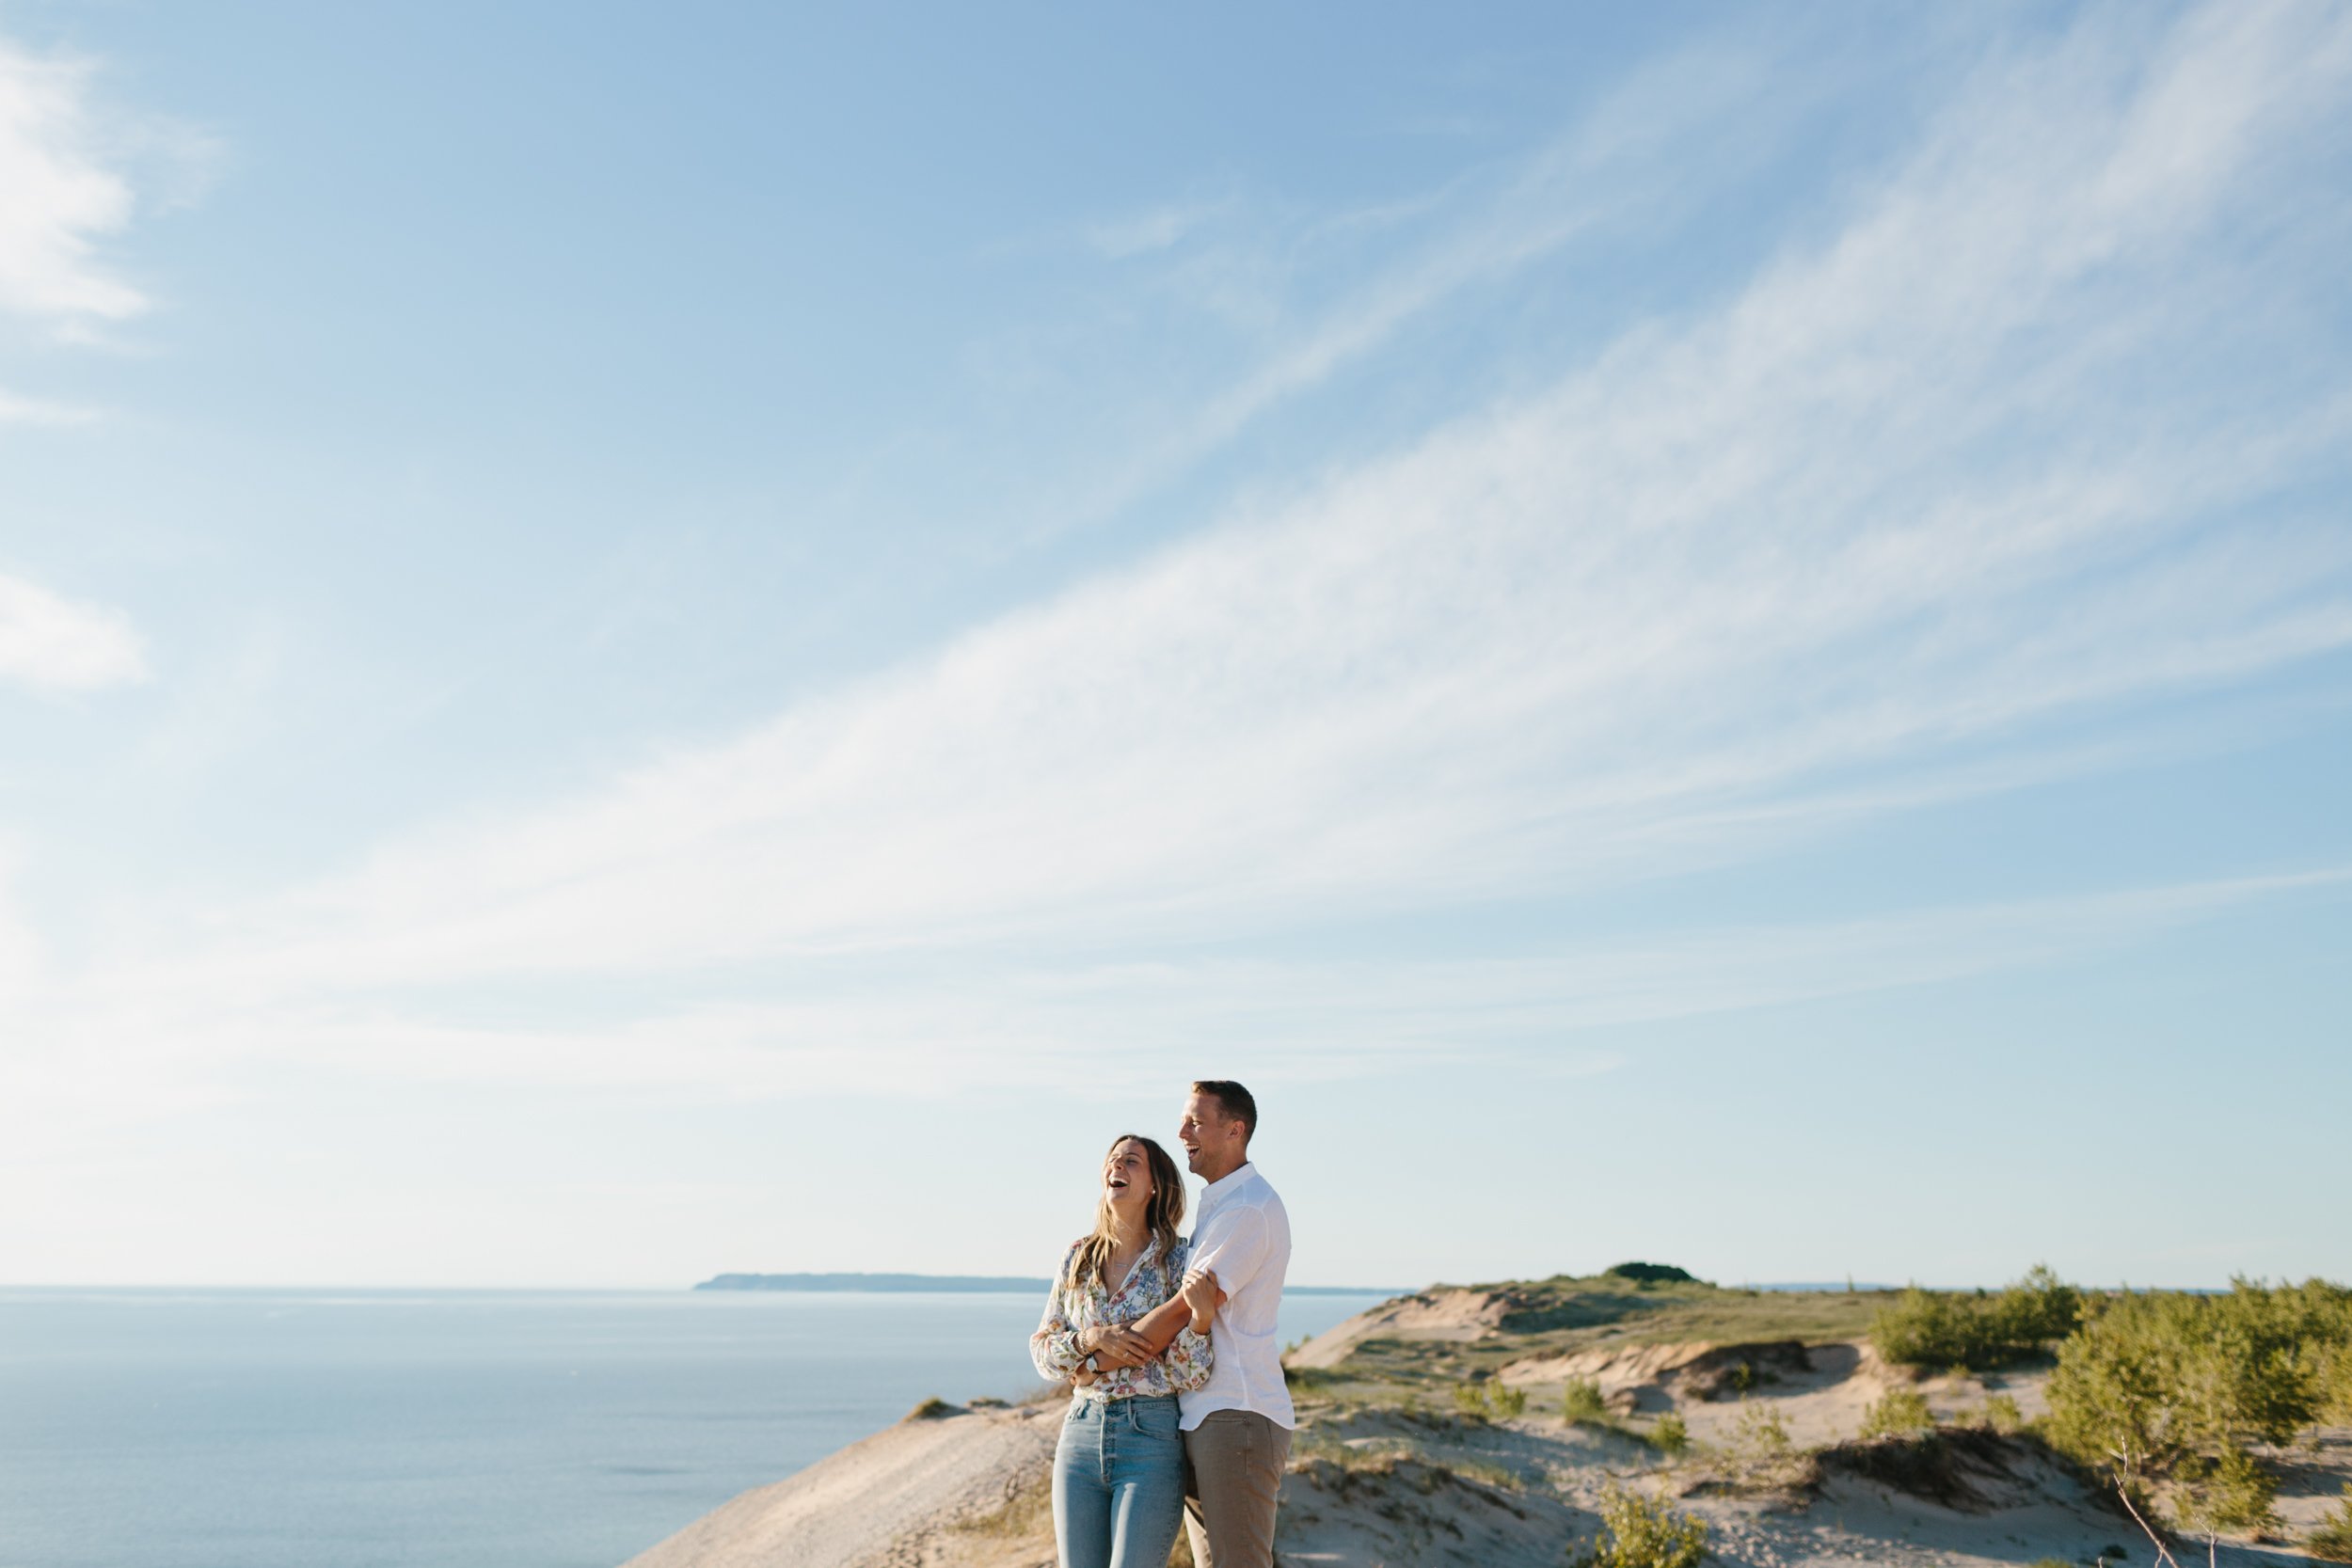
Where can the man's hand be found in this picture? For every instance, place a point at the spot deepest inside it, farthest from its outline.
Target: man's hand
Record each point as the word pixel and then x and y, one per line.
pixel 1202 1296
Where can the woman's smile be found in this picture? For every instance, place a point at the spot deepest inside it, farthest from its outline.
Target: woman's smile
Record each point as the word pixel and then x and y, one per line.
pixel 1126 1177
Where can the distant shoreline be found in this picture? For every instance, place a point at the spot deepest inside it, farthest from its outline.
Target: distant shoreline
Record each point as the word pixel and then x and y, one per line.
pixel 966 1284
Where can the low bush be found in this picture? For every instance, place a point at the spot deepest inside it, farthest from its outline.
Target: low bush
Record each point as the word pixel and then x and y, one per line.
pixel 2331 1372
pixel 1897 1412
pixel 2230 1493
pixel 1762 1431
pixel 1652 1274
pixel 2333 1539
pixel 1581 1401
pixel 1943 1328
pixel 1485 1471
pixel 1670 1435
pixel 1489 1400
pixel 2164 1386
pixel 2001 1413
pixel 1639 1532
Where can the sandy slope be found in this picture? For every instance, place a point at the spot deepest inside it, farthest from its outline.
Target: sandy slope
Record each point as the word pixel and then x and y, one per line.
pixel 1382 1488
pixel 878 1502
pixel 1442 1314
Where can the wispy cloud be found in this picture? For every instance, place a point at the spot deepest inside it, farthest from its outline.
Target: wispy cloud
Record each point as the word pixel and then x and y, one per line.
pixel 64 197
pixel 1827 526
pixel 53 643
pixel 1701 112
pixel 1950 476
pixel 41 411
pixel 155 1045
pixel 67 164
pixel 1152 229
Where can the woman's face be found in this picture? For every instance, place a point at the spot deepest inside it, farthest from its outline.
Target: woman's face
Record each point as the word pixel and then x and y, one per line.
pixel 1127 1177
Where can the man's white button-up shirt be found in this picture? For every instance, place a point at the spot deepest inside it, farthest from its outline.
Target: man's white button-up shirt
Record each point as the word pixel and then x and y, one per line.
pixel 1243 1236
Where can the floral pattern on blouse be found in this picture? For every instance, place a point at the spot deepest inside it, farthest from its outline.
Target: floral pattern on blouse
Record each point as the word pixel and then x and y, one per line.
pixel 1071 1308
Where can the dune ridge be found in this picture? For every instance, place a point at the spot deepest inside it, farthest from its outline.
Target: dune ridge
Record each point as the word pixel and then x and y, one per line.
pixel 1434 1429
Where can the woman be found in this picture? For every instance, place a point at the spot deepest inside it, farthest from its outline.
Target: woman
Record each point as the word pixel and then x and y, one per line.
pixel 1118 1471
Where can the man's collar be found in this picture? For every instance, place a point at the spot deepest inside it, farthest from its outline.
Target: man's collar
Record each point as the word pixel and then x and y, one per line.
pixel 1227 1182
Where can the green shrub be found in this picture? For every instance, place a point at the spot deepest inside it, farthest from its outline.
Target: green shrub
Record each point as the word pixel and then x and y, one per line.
pixel 1942 1328
pixel 1670 1435
pixel 1638 1532
pixel 1761 1430
pixel 1652 1274
pixel 1926 1328
pixel 2037 1310
pixel 2001 1413
pixel 2159 1385
pixel 2230 1493
pixel 1897 1411
pixel 931 1409
pixel 1581 1401
pixel 2336 1387
pixel 1488 1399
pixel 2332 1540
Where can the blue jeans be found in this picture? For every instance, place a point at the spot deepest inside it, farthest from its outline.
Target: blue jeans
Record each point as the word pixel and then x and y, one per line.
pixel 1119 1482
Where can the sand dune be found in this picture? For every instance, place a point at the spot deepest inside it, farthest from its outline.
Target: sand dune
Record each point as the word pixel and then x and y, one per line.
pixel 1439 1314
pixel 1378 1484
pixel 894 1500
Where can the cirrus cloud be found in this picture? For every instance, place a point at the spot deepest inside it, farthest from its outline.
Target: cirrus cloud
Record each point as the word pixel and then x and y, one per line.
pixel 50 643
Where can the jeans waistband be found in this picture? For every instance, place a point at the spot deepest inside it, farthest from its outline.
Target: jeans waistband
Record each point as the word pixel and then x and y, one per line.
pixel 1116 1402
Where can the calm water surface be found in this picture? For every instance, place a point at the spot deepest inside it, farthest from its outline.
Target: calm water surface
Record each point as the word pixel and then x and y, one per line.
pixel 251 1429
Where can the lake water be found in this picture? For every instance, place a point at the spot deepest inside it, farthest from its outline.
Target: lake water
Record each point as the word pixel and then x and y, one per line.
pixel 292 1429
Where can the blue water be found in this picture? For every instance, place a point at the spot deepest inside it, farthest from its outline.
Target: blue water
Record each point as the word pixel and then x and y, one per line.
pixel 289 1428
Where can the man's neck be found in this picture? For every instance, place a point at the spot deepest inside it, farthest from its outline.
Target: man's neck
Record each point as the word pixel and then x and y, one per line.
pixel 1213 1177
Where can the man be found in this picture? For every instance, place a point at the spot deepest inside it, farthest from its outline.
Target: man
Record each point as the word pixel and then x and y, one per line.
pixel 1237 1426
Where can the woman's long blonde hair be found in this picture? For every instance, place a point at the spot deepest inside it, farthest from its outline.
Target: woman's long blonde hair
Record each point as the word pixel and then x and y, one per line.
pixel 1164 1213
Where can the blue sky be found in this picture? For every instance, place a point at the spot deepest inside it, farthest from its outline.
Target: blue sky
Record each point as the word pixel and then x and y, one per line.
pixel 637 645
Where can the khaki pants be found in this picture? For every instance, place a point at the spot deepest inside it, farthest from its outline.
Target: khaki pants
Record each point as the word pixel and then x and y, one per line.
pixel 1232 1471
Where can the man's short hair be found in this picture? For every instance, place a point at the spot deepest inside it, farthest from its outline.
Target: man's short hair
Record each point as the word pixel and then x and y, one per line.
pixel 1233 1101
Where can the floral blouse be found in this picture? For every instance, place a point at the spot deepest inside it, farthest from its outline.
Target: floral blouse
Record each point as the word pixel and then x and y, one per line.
pixel 1070 1309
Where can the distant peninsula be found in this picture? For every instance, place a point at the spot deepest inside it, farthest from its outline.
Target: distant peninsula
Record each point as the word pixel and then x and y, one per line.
pixel 877 1282
pixel 957 1283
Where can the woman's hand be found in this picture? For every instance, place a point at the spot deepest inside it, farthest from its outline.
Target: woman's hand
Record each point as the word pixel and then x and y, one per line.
pixel 1202 1296
pixel 1121 1347
pixel 1114 1345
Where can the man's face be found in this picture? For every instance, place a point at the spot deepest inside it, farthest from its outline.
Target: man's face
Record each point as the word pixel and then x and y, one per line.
pixel 1211 1142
